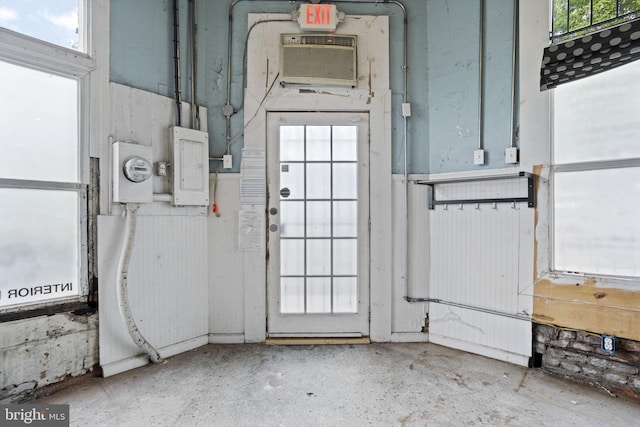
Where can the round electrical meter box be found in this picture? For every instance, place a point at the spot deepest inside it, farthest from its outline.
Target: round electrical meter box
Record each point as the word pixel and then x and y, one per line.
pixel 137 169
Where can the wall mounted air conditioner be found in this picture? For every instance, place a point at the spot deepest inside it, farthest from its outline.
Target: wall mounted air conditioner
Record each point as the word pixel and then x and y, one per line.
pixel 318 59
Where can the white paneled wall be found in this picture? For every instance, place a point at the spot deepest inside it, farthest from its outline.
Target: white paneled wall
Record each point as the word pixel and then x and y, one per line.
pixel 167 286
pixel 168 273
pixel 226 263
pixel 477 254
pixel 408 319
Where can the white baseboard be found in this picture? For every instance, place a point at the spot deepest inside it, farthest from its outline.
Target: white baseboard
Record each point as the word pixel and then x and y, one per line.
pixel 138 361
pixel 226 338
pixel 408 337
pixel 493 353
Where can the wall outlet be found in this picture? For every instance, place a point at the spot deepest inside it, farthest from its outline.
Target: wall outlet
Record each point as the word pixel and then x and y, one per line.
pixel 227 161
pixel 511 155
pixel 478 157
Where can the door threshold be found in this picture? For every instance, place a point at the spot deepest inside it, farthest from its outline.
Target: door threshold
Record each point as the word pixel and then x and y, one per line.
pixel 317 341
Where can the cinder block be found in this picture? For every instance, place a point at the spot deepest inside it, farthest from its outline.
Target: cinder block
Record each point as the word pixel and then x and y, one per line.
pixel 560 343
pixel 567 335
pixel 550 361
pixel 628 345
pixel 588 338
pixel 582 346
pixel 577 358
pixel 571 367
pixel 592 371
pixel 622 368
pixel 600 363
pixel 615 378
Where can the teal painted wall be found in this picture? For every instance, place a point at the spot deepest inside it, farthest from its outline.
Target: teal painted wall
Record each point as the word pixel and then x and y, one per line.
pixel 442 60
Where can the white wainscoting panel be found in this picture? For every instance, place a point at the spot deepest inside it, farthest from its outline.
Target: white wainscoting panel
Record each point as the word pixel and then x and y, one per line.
pixel 476 260
pixel 167 285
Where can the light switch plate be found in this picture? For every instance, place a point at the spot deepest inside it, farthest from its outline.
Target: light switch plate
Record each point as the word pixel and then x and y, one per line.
pixel 478 157
pixel 511 155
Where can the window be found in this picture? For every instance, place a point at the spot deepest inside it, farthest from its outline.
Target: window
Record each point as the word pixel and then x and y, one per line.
pixel 43 154
pixel 574 18
pixel 596 174
pixel 54 21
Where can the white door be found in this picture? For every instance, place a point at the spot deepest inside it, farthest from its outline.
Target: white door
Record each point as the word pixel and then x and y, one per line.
pixel 318 224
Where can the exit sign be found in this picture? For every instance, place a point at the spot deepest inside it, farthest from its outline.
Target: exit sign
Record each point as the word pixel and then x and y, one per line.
pixel 318 17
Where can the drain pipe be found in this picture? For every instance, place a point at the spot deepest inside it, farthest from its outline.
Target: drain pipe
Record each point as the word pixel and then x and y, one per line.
pixel 121 281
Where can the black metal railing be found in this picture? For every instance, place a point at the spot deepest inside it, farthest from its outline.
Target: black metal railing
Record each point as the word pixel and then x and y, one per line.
pixel 574 18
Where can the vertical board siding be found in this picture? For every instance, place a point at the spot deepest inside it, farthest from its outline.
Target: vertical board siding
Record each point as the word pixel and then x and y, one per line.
pixel 475 261
pixel 167 283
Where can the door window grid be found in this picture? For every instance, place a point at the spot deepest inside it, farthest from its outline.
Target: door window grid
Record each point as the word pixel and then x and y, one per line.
pixel 324 284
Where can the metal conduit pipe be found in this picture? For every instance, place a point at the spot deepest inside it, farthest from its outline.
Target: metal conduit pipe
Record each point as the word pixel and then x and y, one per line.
pixel 472 307
pixel 228 111
pixel 514 61
pixel 121 282
pixel 176 62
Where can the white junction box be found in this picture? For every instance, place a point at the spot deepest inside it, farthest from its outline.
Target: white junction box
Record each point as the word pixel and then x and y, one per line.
pixel 132 171
pixel 190 166
pixel 478 157
pixel 511 155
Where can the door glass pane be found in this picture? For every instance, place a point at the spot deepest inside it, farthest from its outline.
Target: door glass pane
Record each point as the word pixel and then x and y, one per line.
pixel 319 295
pixel 345 295
pixel 291 219
pixel 318 180
pixel 291 143
pixel 345 180
pixel 292 179
pixel 596 228
pixel 318 257
pixel 52 21
pixel 319 235
pixel 345 257
pixel 39 257
pixel 345 219
pixel 38 125
pixel 292 295
pixel 292 257
pixel 318 143
pixel 345 143
pixel 319 219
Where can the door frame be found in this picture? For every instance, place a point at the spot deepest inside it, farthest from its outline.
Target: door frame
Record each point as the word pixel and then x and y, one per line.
pixel 372 96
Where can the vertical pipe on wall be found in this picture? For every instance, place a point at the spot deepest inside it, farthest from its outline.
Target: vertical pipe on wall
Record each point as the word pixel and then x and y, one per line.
pixel 195 117
pixel 514 59
pixel 176 62
pixel 481 77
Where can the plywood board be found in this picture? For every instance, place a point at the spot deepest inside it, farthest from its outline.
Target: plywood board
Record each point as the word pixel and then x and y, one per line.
pixel 587 306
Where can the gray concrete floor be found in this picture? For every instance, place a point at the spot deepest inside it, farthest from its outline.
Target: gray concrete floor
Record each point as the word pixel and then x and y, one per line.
pixel 367 385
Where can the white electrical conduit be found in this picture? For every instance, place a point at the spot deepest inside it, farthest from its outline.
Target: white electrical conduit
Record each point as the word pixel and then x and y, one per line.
pixel 121 281
pixel 228 111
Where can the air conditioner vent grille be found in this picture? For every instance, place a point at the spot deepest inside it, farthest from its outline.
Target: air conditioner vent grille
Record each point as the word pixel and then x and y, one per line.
pixel 318 40
pixel 318 59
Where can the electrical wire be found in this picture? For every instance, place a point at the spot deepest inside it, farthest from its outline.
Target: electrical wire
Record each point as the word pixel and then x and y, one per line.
pixel 254 114
pixel 122 286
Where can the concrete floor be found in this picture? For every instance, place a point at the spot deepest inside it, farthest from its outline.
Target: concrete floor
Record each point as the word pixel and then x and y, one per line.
pixel 368 385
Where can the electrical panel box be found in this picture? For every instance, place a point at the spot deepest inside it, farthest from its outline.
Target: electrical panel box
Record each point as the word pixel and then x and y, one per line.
pixel 132 173
pixel 190 166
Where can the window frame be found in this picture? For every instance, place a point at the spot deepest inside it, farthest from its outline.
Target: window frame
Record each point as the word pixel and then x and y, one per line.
pixel 39 55
pixel 579 166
